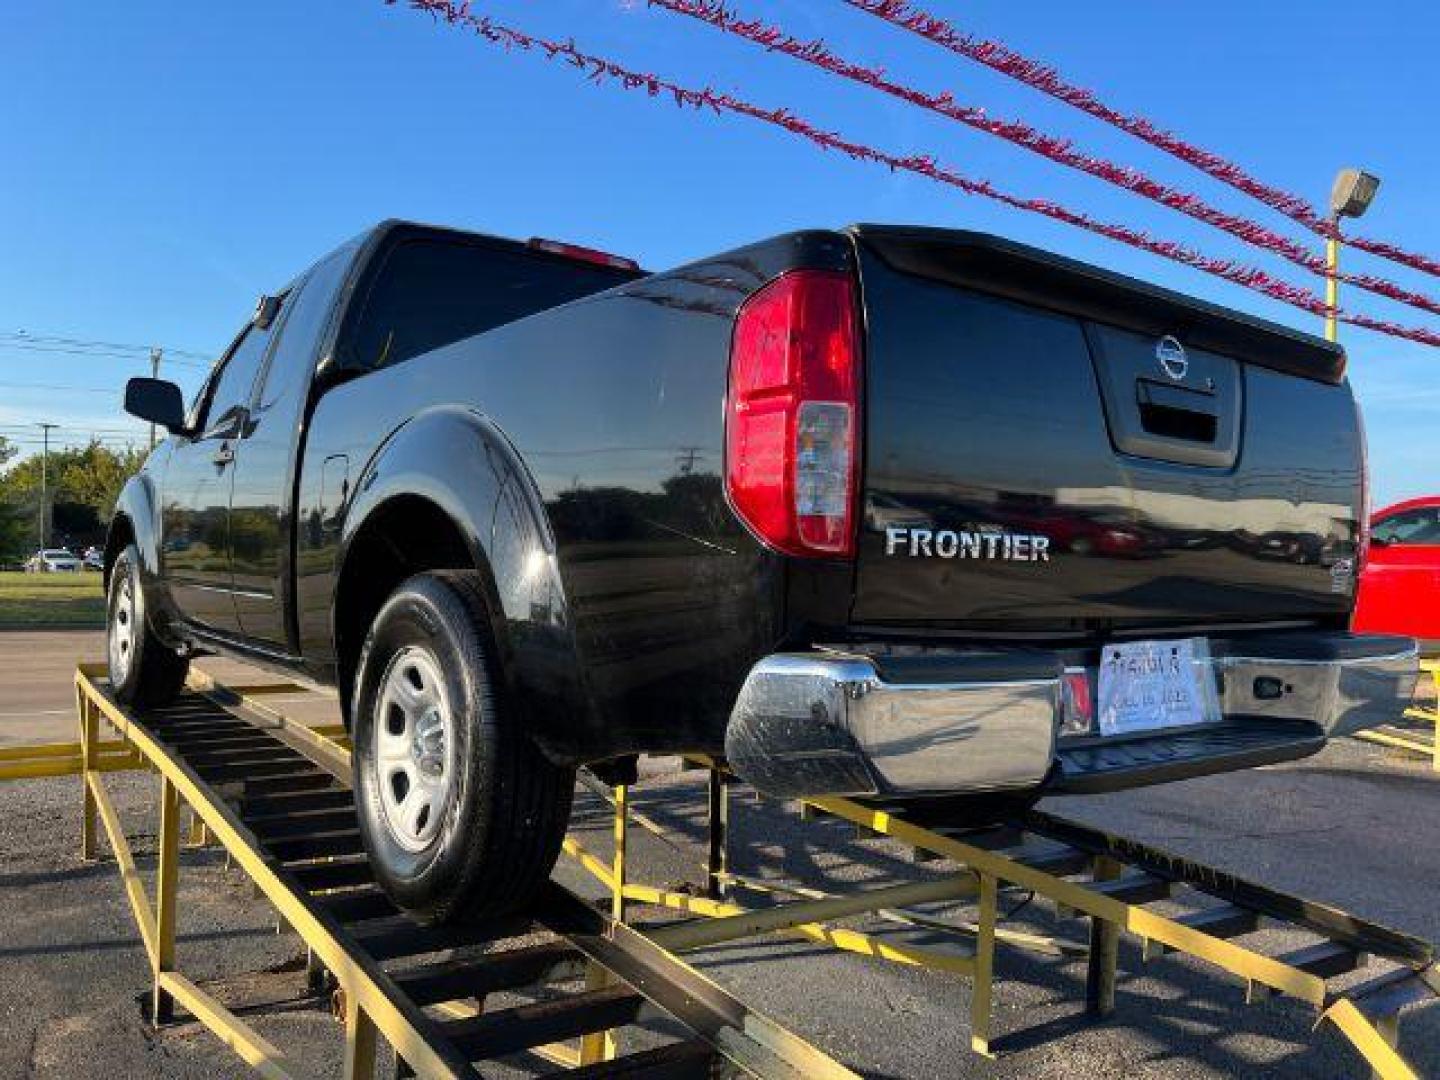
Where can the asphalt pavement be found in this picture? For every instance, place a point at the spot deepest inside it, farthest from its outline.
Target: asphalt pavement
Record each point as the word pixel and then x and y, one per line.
pixel 1353 827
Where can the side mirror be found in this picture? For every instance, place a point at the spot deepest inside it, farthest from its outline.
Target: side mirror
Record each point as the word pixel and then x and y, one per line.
pixel 157 401
pixel 1379 541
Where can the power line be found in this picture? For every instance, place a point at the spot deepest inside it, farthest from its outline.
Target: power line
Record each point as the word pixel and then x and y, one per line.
pixel 115 390
pixel 105 434
pixel 101 427
pixel 55 339
pixel 70 440
pixel 60 350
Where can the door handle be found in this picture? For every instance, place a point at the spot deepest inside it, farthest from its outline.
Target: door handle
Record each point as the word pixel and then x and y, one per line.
pixel 224 455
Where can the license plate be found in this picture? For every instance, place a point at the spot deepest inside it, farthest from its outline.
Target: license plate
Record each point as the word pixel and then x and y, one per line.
pixel 1149 685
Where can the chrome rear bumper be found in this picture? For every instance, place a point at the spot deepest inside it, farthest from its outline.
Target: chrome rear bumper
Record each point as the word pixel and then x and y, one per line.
pixel 827 723
pixel 813 724
pixel 1343 694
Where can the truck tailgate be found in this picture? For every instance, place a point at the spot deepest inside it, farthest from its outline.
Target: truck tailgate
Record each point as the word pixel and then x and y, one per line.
pixel 1054 448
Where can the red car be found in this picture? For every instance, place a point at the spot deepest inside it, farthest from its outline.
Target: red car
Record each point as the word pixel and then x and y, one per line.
pixel 1400 585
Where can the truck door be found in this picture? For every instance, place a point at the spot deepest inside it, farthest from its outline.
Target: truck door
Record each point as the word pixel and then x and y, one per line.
pixel 266 456
pixel 196 504
pixel 1400 587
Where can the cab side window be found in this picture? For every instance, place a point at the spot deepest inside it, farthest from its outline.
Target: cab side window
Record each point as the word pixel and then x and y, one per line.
pixel 231 385
pixel 1420 526
pixel 431 293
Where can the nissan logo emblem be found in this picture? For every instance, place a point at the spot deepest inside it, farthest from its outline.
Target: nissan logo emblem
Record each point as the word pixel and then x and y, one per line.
pixel 1171 355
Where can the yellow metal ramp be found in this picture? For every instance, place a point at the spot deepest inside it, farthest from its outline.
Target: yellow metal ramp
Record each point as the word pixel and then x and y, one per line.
pixel 288 820
pixel 275 794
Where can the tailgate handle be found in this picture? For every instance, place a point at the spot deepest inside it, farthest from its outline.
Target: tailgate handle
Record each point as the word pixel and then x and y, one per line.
pixel 1174 412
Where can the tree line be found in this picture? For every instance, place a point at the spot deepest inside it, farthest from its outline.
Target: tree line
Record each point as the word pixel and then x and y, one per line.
pixel 82 484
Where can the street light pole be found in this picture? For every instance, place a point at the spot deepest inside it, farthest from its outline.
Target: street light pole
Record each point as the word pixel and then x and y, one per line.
pixel 45 482
pixel 1350 196
pixel 1332 283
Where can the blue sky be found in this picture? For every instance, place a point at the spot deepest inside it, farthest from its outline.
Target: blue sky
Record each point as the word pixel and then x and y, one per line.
pixel 162 163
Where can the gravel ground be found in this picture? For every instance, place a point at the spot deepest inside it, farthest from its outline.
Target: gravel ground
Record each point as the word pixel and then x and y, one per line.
pixel 1348 827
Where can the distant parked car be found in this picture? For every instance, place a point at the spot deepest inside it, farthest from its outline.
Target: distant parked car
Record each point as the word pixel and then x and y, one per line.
pixel 1400 583
pixel 53 560
pixel 93 558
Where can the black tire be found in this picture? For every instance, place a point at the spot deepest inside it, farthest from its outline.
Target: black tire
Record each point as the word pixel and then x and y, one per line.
pixel 144 671
pixel 504 811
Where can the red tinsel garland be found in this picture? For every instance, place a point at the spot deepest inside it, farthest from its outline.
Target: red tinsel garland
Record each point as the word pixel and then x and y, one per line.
pixel 1060 151
pixel 1047 80
pixel 598 69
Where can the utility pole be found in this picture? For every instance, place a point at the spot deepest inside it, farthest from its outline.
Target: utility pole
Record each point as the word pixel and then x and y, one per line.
pixel 685 459
pixel 44 481
pixel 155 356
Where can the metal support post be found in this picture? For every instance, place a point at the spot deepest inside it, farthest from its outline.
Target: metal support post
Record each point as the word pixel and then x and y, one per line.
pixel 600 1045
pixel 89 735
pixel 1104 952
pixel 199 835
pixel 1433 667
pixel 1389 1030
pixel 359 1041
pixel 597 1046
pixel 984 978
pixel 166 880
pixel 317 978
pixel 622 828
pixel 717 862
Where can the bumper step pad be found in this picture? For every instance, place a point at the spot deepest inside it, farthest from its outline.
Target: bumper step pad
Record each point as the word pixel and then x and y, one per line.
pixel 1162 756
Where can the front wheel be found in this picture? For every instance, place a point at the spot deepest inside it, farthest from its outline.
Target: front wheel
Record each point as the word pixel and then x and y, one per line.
pixel 461 814
pixel 144 671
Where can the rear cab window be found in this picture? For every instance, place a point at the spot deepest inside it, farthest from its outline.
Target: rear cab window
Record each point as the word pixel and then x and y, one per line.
pixel 434 291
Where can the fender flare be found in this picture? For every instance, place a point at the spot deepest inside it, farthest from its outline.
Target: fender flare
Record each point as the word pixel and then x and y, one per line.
pixel 459 461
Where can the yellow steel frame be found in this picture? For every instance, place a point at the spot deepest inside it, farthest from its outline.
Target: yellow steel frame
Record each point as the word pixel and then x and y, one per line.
pixel 371 1011
pixel 984 873
pixel 370 1004
pixel 1409 739
pixel 372 1007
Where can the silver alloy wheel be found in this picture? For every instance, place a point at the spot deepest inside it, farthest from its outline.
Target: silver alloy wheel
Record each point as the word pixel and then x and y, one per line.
pixel 121 631
pixel 413 738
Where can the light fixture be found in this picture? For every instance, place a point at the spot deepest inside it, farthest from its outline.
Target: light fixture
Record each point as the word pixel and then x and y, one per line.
pixel 1353 192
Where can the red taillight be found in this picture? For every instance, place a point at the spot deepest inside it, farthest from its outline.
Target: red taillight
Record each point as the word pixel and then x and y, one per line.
pixel 793 412
pixel 584 254
pixel 1077 709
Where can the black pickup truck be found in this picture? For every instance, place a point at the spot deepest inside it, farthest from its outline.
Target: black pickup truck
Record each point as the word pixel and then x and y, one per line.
pixel 899 513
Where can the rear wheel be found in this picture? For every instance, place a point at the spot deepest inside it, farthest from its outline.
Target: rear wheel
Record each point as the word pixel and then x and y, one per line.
pixel 144 670
pixel 461 814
